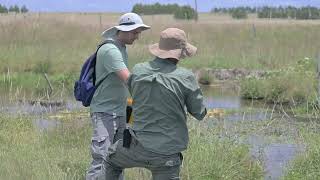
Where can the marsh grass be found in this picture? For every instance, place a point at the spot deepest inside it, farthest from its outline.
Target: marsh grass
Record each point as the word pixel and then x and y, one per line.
pixel 307 166
pixel 34 85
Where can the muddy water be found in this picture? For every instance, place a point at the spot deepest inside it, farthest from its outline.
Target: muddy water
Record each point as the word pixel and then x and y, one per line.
pixel 39 111
pixel 275 156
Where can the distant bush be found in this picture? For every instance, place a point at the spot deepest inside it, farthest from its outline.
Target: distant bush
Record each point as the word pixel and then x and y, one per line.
pixel 3 9
pixel 24 9
pixel 180 12
pixel 289 12
pixel 185 12
pixel 307 12
pixel 239 13
pixel 14 9
pixel 156 8
pixel 230 10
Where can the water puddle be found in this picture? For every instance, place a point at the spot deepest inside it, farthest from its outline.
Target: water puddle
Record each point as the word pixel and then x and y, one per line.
pixel 45 124
pixel 249 116
pixel 275 156
pixel 38 108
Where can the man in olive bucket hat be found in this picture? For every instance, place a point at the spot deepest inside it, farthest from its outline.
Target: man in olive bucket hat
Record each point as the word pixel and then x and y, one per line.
pixel 108 105
pixel 161 92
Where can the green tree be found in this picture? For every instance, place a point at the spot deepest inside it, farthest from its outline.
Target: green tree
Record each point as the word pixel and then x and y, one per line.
pixel 3 9
pixel 239 13
pixel 185 12
pixel 14 8
pixel 24 9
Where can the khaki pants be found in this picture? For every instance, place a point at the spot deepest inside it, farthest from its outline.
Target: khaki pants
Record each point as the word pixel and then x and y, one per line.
pixel 162 167
pixel 106 130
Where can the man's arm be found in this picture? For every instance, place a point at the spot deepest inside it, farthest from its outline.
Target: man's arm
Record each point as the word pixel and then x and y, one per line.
pixel 124 75
pixel 113 61
pixel 194 101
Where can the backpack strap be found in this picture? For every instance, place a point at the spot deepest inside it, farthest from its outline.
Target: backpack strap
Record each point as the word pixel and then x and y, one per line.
pixel 94 69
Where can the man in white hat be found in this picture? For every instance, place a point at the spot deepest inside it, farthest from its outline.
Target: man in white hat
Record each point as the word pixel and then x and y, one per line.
pixel 161 93
pixel 108 105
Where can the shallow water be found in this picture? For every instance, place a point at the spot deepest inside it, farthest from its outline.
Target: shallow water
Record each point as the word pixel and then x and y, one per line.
pixel 36 108
pixel 45 124
pixel 275 156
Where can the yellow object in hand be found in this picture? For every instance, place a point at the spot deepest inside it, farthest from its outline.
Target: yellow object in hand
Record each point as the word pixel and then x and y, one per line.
pixel 129 111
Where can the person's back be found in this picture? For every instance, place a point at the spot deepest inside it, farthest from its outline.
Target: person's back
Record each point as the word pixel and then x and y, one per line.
pixel 162 92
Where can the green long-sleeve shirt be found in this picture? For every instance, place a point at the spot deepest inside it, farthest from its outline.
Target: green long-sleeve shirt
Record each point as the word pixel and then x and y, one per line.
pixel 162 92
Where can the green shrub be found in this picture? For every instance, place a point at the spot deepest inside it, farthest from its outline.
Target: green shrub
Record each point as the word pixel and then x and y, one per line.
pixel 185 12
pixel 252 88
pixel 239 14
pixel 42 67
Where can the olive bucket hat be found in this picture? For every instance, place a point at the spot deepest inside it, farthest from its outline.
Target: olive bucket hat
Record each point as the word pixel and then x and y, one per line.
pixel 173 44
pixel 127 22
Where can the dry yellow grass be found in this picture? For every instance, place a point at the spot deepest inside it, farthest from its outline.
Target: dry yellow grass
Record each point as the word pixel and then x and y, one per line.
pixel 66 39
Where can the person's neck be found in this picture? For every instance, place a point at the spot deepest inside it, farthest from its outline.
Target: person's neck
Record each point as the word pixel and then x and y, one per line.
pixel 120 41
pixel 175 61
pixel 171 60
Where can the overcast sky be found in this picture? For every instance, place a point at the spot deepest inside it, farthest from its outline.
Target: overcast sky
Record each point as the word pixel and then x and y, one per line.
pixel 126 5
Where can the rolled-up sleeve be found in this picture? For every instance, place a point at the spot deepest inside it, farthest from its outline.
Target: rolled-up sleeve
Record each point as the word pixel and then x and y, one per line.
pixel 112 59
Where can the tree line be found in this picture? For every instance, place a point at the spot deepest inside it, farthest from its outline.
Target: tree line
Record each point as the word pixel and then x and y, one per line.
pixel 13 8
pixel 288 12
pixel 187 12
pixel 179 12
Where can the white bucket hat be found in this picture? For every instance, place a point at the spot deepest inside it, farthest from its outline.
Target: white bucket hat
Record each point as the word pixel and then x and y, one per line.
pixel 127 22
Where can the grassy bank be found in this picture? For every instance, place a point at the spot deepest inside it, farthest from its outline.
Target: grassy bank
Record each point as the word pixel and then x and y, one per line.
pixel 63 153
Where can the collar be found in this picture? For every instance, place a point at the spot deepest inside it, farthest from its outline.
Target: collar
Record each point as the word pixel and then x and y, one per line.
pixel 164 61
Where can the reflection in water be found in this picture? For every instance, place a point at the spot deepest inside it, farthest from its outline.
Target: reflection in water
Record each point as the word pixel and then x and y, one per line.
pixel 221 97
pixel 249 116
pixel 44 124
pixel 38 109
pixel 277 157
pixel 228 102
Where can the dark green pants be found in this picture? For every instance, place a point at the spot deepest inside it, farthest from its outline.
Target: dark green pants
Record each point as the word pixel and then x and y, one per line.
pixel 162 167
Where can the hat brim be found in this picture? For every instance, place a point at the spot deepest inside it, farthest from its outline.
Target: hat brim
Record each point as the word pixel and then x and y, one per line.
pixel 113 30
pixel 190 50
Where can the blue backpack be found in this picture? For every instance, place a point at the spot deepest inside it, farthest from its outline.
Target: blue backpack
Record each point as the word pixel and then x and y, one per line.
pixel 85 87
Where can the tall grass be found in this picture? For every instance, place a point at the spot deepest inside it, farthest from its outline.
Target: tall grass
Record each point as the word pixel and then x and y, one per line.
pixel 306 166
pixel 67 39
pixel 58 43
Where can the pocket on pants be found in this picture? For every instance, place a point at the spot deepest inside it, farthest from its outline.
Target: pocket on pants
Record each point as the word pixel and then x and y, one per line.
pixel 99 147
pixel 167 161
